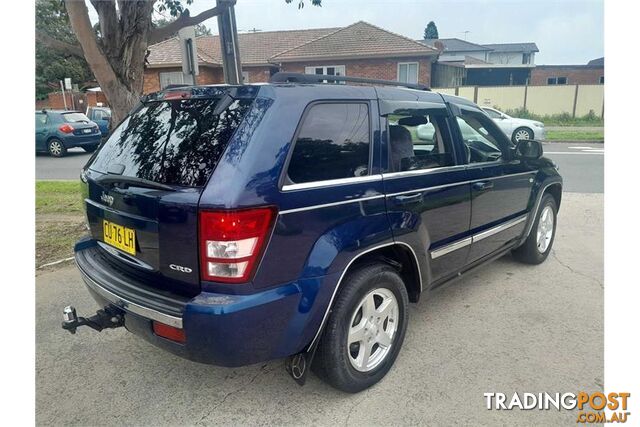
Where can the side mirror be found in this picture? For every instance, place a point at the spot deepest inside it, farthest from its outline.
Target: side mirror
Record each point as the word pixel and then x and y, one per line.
pixel 528 149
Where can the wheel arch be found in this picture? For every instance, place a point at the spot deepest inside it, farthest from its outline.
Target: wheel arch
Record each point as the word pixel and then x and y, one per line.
pixel 397 254
pixel 556 191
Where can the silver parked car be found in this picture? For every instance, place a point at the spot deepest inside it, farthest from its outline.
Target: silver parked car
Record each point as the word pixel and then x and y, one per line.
pixel 517 129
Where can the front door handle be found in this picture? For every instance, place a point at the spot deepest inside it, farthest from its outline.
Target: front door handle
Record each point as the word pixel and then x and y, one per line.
pixel 409 199
pixel 482 186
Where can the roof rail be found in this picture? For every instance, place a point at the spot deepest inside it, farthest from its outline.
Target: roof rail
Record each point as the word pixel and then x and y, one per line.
pixel 283 77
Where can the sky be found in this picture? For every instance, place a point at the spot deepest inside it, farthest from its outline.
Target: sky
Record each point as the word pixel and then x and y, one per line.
pixel 566 32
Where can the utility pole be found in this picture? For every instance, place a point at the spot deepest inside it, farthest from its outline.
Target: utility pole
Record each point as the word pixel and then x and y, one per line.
pixel 465 33
pixel 229 43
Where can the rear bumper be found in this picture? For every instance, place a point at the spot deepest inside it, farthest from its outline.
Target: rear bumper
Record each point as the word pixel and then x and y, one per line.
pixel 81 140
pixel 220 329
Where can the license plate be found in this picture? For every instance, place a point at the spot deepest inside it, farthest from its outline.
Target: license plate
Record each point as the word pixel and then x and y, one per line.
pixel 120 237
pixel 86 130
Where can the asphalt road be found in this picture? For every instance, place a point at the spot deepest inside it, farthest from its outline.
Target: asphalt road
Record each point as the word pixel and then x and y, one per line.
pixel 503 328
pixel 581 165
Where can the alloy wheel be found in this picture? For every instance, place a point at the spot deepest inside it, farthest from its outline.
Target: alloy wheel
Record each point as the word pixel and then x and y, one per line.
pixel 55 148
pixel 522 134
pixel 545 229
pixel 372 329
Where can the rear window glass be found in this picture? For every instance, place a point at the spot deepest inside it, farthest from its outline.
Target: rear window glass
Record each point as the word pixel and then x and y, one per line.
pixel 75 117
pixel 173 142
pixel 333 143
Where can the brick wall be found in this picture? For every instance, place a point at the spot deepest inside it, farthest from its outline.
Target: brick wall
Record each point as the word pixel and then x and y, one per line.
pixel 207 76
pixel 576 75
pixel 384 69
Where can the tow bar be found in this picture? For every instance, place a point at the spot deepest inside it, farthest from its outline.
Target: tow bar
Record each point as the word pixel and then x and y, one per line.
pixel 109 317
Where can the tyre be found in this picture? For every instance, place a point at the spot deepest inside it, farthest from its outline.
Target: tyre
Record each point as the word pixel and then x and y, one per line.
pixel 536 248
pixel 56 148
pixel 366 329
pixel 522 133
pixel 90 148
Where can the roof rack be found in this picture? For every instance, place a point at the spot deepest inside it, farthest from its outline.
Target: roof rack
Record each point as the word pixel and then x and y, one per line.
pixel 283 77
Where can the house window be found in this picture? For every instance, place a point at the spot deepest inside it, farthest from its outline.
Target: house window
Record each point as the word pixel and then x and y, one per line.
pixel 408 72
pixel 526 58
pixel 557 81
pixel 171 78
pixel 329 70
pixel 601 80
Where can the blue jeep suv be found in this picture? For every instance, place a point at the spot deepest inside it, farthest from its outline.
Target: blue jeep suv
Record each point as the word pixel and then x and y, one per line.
pixel 297 219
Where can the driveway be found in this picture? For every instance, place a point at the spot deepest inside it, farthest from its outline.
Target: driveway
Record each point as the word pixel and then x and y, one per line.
pixel 503 328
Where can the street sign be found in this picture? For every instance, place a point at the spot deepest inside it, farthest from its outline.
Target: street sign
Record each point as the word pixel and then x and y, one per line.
pixel 188 49
pixel 67 83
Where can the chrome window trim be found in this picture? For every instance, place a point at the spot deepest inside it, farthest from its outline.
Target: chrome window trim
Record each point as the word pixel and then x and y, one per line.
pixel 459 244
pixel 127 305
pixel 335 291
pixel 375 178
pixel 331 182
pixel 418 172
pixel 453 184
pixel 326 205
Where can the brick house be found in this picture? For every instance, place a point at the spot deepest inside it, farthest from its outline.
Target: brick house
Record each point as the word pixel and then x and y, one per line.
pixel 359 50
pixel 591 73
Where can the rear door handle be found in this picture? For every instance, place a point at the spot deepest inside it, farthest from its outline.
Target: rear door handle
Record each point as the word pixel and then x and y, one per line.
pixel 483 186
pixel 409 199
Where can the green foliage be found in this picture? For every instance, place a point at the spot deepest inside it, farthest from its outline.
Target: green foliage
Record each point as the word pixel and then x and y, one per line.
pixel 52 66
pixel 431 31
pixel 174 7
pixel 563 119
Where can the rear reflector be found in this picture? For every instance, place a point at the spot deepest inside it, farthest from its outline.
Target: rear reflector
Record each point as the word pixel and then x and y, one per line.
pixel 168 332
pixel 231 242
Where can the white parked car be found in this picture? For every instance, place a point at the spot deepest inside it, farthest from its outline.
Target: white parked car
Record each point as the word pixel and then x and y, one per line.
pixel 517 129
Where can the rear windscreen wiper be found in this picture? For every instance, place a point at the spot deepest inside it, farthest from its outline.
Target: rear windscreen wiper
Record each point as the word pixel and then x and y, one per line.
pixel 132 181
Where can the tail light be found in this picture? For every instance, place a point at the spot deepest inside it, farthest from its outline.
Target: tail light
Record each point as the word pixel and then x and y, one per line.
pixel 66 128
pixel 232 241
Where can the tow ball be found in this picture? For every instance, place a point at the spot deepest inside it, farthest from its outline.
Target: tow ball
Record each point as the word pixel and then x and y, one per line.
pixel 109 317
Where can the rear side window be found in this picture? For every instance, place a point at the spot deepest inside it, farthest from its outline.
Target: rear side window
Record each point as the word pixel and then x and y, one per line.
pixel 173 142
pixel 333 143
pixel 75 118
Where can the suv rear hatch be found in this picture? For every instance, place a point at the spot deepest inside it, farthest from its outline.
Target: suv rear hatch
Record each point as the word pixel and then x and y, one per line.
pixel 144 184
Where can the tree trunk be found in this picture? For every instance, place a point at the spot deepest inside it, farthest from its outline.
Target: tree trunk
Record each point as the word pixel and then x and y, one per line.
pixel 118 64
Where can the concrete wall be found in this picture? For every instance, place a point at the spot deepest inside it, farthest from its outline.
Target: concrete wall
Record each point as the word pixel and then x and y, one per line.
pixel 590 97
pixel 542 100
pixel 507 97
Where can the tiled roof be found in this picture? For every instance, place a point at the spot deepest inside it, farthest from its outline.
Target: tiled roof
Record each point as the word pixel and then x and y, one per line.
pixel 455 45
pixel 512 47
pixel 357 40
pixel 597 61
pixel 255 48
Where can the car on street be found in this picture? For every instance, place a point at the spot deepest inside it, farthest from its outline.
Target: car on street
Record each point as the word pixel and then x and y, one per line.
pixel 298 219
pixel 102 117
pixel 59 130
pixel 517 129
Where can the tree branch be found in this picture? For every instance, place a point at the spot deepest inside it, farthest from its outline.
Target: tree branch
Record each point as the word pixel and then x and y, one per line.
pixel 60 46
pixel 158 34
